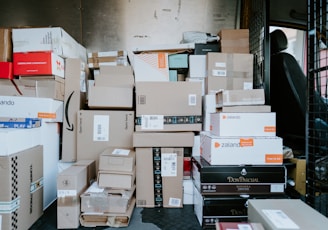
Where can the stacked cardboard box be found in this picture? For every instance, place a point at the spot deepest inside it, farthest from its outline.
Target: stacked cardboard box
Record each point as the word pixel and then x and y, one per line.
pixel 234 40
pixel 112 196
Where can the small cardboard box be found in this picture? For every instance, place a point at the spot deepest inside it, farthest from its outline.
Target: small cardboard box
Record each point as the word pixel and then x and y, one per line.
pixel 116 179
pixel 96 199
pixel 234 40
pixel 70 184
pixel 107 58
pixel 108 219
pixel 240 97
pixel 38 63
pixel 115 76
pixel 100 129
pixel 117 159
pixel 21 193
pixel 91 169
pixel 241 150
pixel 277 214
pixel 246 109
pixel 243 124
pixel 42 86
pixel 238 225
pixel 178 110
pixel 298 174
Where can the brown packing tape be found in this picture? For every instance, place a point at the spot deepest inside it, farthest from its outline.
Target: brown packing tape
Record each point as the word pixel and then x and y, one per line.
pixel 5 45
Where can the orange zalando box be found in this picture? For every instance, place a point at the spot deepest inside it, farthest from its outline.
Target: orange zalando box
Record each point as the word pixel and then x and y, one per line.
pixel 38 63
pixel 6 70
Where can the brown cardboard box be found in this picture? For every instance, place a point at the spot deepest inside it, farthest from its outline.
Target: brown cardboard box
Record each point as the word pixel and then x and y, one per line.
pixel 116 179
pixel 42 86
pixel 162 169
pixel 108 219
pixel 96 199
pixel 169 106
pixel 240 97
pixel 298 174
pixel 117 159
pixel 6 48
pixel 74 100
pixel 98 59
pixel 115 76
pixel 21 193
pixel 234 40
pixel 246 109
pixel 70 184
pixel 276 214
pixel 91 169
pixel 7 88
pixel 231 65
pixel 100 129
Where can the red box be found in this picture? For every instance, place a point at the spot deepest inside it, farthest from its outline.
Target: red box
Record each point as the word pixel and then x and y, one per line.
pixel 6 70
pixel 38 63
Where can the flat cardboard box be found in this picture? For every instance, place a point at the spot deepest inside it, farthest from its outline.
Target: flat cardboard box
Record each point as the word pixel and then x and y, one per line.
pixel 151 67
pixel 74 100
pixel 246 109
pixel 240 97
pixel 241 150
pixel 230 65
pixel 159 177
pixel 116 179
pixel 53 39
pixel 21 193
pixel 108 219
pixel 6 49
pixel 179 110
pixel 100 129
pixel 243 124
pixel 110 97
pixel 107 58
pixel 117 159
pixel 38 63
pixel 163 139
pixel 42 86
pixel 71 183
pixel 96 199
pixel 276 214
pixel 48 109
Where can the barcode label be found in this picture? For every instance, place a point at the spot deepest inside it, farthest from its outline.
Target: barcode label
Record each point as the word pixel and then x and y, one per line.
pixel 152 122
pixel 174 202
pixel 101 128
pixel 219 73
pixel 64 193
pixel 142 100
pixel 122 152
pixel 192 100
pixel 169 164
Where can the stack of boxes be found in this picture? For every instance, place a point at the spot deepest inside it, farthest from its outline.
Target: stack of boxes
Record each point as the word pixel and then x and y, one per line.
pixel 112 196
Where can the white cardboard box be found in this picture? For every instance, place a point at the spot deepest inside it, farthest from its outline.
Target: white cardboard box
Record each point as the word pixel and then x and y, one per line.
pixel 241 150
pixel 243 124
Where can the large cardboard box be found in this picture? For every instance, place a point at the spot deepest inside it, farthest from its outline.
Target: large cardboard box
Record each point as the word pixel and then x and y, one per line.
pixel 74 100
pixel 96 199
pixel 38 63
pixel 276 214
pixel 241 150
pixel 94 219
pixel 168 106
pixel 6 48
pixel 234 40
pixel 100 129
pixel 117 159
pixel 71 183
pixel 42 86
pixel 48 109
pixel 53 39
pixel 243 124
pixel 151 67
pixel 21 193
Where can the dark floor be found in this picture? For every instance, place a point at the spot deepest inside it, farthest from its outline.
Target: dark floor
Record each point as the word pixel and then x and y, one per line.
pixel 142 218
